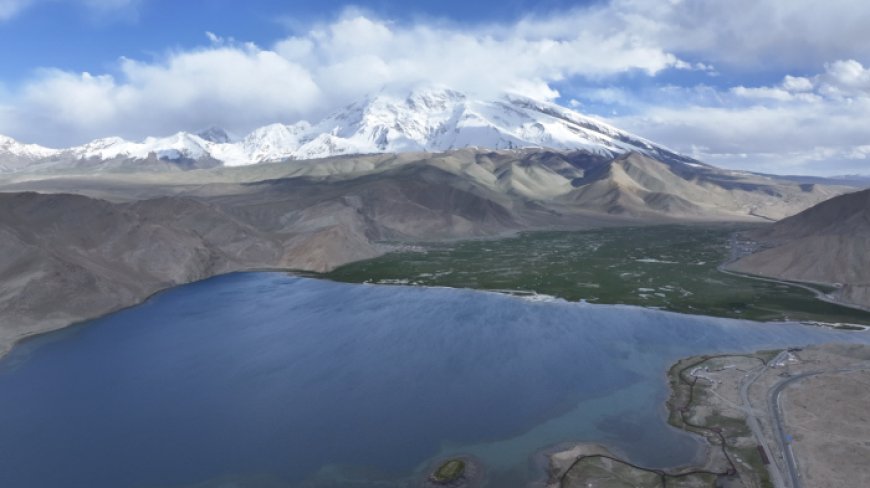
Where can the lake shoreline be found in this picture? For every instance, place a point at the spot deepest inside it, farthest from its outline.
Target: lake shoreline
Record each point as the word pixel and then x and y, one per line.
pixel 20 327
pixel 561 460
pixel 8 343
pixel 313 340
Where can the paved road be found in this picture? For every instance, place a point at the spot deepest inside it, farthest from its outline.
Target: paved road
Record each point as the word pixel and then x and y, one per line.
pixel 776 421
pixel 776 418
pixel 752 418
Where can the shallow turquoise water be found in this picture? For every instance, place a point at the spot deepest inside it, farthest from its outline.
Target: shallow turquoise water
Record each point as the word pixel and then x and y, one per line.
pixel 264 379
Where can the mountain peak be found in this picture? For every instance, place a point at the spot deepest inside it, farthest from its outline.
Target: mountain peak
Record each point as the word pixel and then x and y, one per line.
pixel 433 97
pixel 10 147
pixel 214 134
pixel 426 119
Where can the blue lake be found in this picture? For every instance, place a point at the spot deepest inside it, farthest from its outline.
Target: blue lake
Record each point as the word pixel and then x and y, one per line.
pixel 269 380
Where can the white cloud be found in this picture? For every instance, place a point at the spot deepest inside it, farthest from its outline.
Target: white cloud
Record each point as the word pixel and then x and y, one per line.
pixel 241 86
pixel 812 124
pixel 859 152
pixel 358 55
pixel 841 79
pixel 797 84
pixel 745 34
pixel 749 33
pixel 846 78
pixel 790 89
pixel 804 119
pixel 236 86
pixel 773 93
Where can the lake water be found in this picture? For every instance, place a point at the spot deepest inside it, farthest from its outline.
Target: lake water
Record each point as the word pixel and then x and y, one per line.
pixel 263 379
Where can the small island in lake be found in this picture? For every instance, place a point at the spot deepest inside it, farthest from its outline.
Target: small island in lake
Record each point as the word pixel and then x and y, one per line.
pixel 457 472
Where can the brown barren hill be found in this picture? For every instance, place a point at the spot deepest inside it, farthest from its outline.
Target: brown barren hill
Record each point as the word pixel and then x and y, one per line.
pixel 828 243
pixel 75 246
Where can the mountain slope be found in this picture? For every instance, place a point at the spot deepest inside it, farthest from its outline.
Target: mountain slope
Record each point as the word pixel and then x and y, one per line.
pixel 66 257
pixel 629 188
pixel 828 243
pixel 431 120
pixel 640 186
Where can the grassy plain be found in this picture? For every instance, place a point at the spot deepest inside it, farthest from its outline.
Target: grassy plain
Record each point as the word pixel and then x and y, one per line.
pixel 670 267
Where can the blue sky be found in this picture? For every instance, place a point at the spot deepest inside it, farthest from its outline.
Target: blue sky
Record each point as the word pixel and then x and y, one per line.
pixel 72 35
pixel 758 84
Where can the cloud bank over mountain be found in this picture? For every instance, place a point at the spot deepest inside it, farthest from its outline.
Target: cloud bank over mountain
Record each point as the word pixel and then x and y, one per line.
pixel 802 124
pixel 697 77
pixel 241 85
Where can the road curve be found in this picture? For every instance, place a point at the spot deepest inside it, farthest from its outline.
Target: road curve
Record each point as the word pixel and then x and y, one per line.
pixel 776 418
pixel 779 428
pixel 752 419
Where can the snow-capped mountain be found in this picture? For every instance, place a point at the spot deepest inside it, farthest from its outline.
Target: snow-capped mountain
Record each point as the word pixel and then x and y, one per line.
pixel 14 148
pixel 177 146
pixel 443 120
pixel 15 155
pixel 431 120
pixel 215 134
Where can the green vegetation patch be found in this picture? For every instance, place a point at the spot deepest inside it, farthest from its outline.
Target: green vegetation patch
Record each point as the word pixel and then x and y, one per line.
pixel 671 267
pixel 450 471
pixel 731 427
pixel 750 456
pixel 609 473
pixel 691 481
